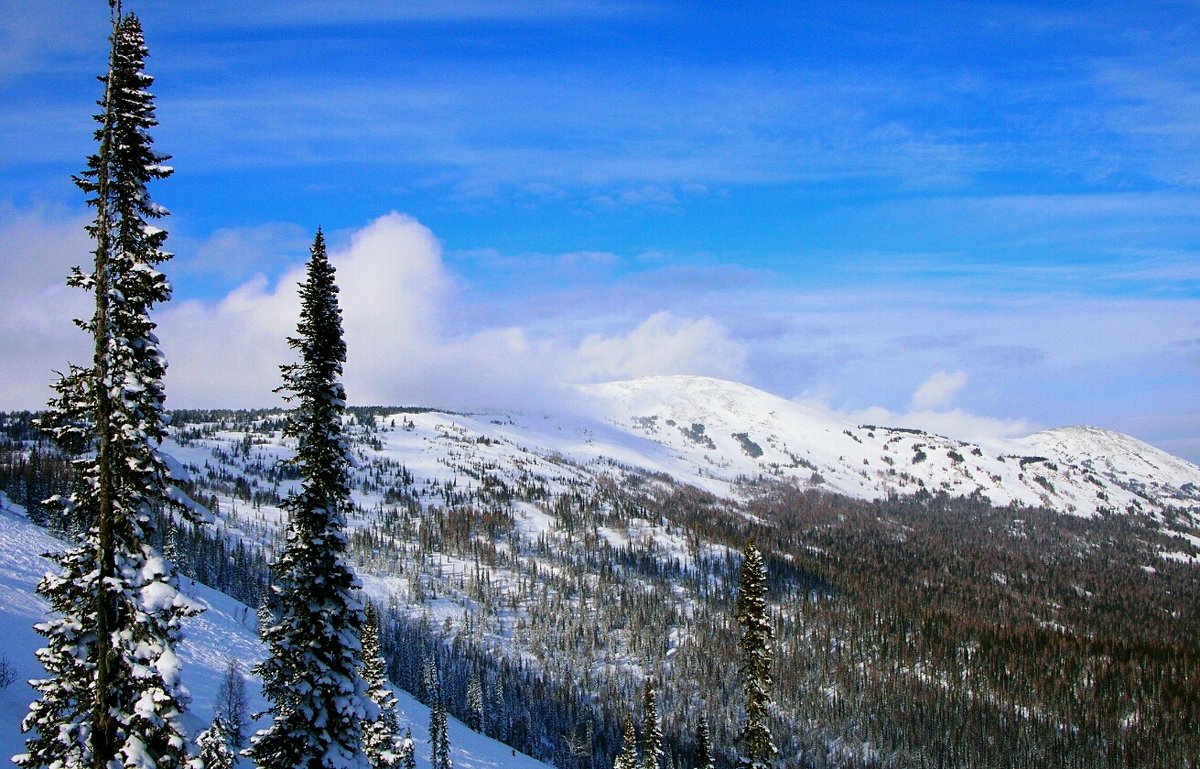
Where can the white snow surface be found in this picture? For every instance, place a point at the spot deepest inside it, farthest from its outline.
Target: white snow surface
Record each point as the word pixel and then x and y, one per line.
pixel 710 432
pixel 226 630
pixel 716 435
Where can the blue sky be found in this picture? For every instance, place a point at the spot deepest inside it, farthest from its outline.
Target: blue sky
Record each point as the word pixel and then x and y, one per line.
pixel 978 216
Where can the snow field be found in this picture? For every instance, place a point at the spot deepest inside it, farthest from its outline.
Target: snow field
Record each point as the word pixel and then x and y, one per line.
pixel 226 630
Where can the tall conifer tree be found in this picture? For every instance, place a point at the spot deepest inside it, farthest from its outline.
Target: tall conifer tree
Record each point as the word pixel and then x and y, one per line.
pixel 475 717
pixel 381 737
pixel 652 736
pixel 313 672
pixel 112 695
pixel 703 758
pixel 627 758
pixel 756 749
pixel 439 738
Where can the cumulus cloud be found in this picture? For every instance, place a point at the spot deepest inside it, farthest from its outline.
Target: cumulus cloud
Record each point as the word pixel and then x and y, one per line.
pixel 991 432
pixel 965 426
pixel 938 390
pixel 228 353
pixel 391 280
pixel 663 344
pixel 38 247
pixel 396 294
pixel 929 410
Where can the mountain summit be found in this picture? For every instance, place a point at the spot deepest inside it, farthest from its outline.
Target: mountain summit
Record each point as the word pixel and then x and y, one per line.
pixel 712 433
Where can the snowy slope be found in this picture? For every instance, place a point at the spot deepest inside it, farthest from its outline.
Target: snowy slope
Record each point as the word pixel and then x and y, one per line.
pixel 718 431
pixel 717 435
pixel 224 631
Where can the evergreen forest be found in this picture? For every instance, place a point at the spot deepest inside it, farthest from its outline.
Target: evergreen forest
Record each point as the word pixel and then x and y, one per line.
pixel 925 630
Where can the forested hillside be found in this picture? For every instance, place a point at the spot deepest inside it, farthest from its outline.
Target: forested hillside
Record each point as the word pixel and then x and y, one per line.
pixel 921 630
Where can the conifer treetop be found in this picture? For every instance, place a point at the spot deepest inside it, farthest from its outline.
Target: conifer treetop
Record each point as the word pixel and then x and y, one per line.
pixel 113 695
pixel 756 748
pixel 313 675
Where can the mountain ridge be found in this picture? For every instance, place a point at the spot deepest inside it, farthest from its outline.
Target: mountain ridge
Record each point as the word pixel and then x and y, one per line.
pixel 730 429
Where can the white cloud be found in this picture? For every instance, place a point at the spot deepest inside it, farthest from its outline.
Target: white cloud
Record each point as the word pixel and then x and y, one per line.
pixel 929 410
pixel 228 353
pixel 663 344
pixel 954 423
pixel 38 247
pixel 966 426
pixel 393 287
pixel 938 390
pixel 417 335
pixel 391 282
pixel 395 293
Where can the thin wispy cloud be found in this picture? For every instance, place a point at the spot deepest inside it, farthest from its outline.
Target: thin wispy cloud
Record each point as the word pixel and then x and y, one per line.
pixel 291 15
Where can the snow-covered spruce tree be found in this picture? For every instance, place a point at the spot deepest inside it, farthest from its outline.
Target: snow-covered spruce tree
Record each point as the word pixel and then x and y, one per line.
pixel 430 687
pixel 703 758
pixel 652 736
pixel 215 746
pixel 265 613
pixel 381 738
pixel 313 672
pixel 408 751
pixel 627 758
pixel 439 738
pixel 232 706
pixel 496 715
pixel 475 715
pixel 756 749
pixel 112 695
pixel 443 738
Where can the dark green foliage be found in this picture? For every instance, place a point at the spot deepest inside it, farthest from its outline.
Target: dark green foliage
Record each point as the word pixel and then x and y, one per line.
pixel 32 471
pixel 756 749
pixel 652 736
pixel 111 693
pixel 226 563
pixel 752 449
pixel 381 734
pixel 696 435
pixel 312 675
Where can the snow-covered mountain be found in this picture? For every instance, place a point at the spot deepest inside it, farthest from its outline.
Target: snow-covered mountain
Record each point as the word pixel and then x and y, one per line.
pixel 566 555
pixel 715 430
pixel 718 435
